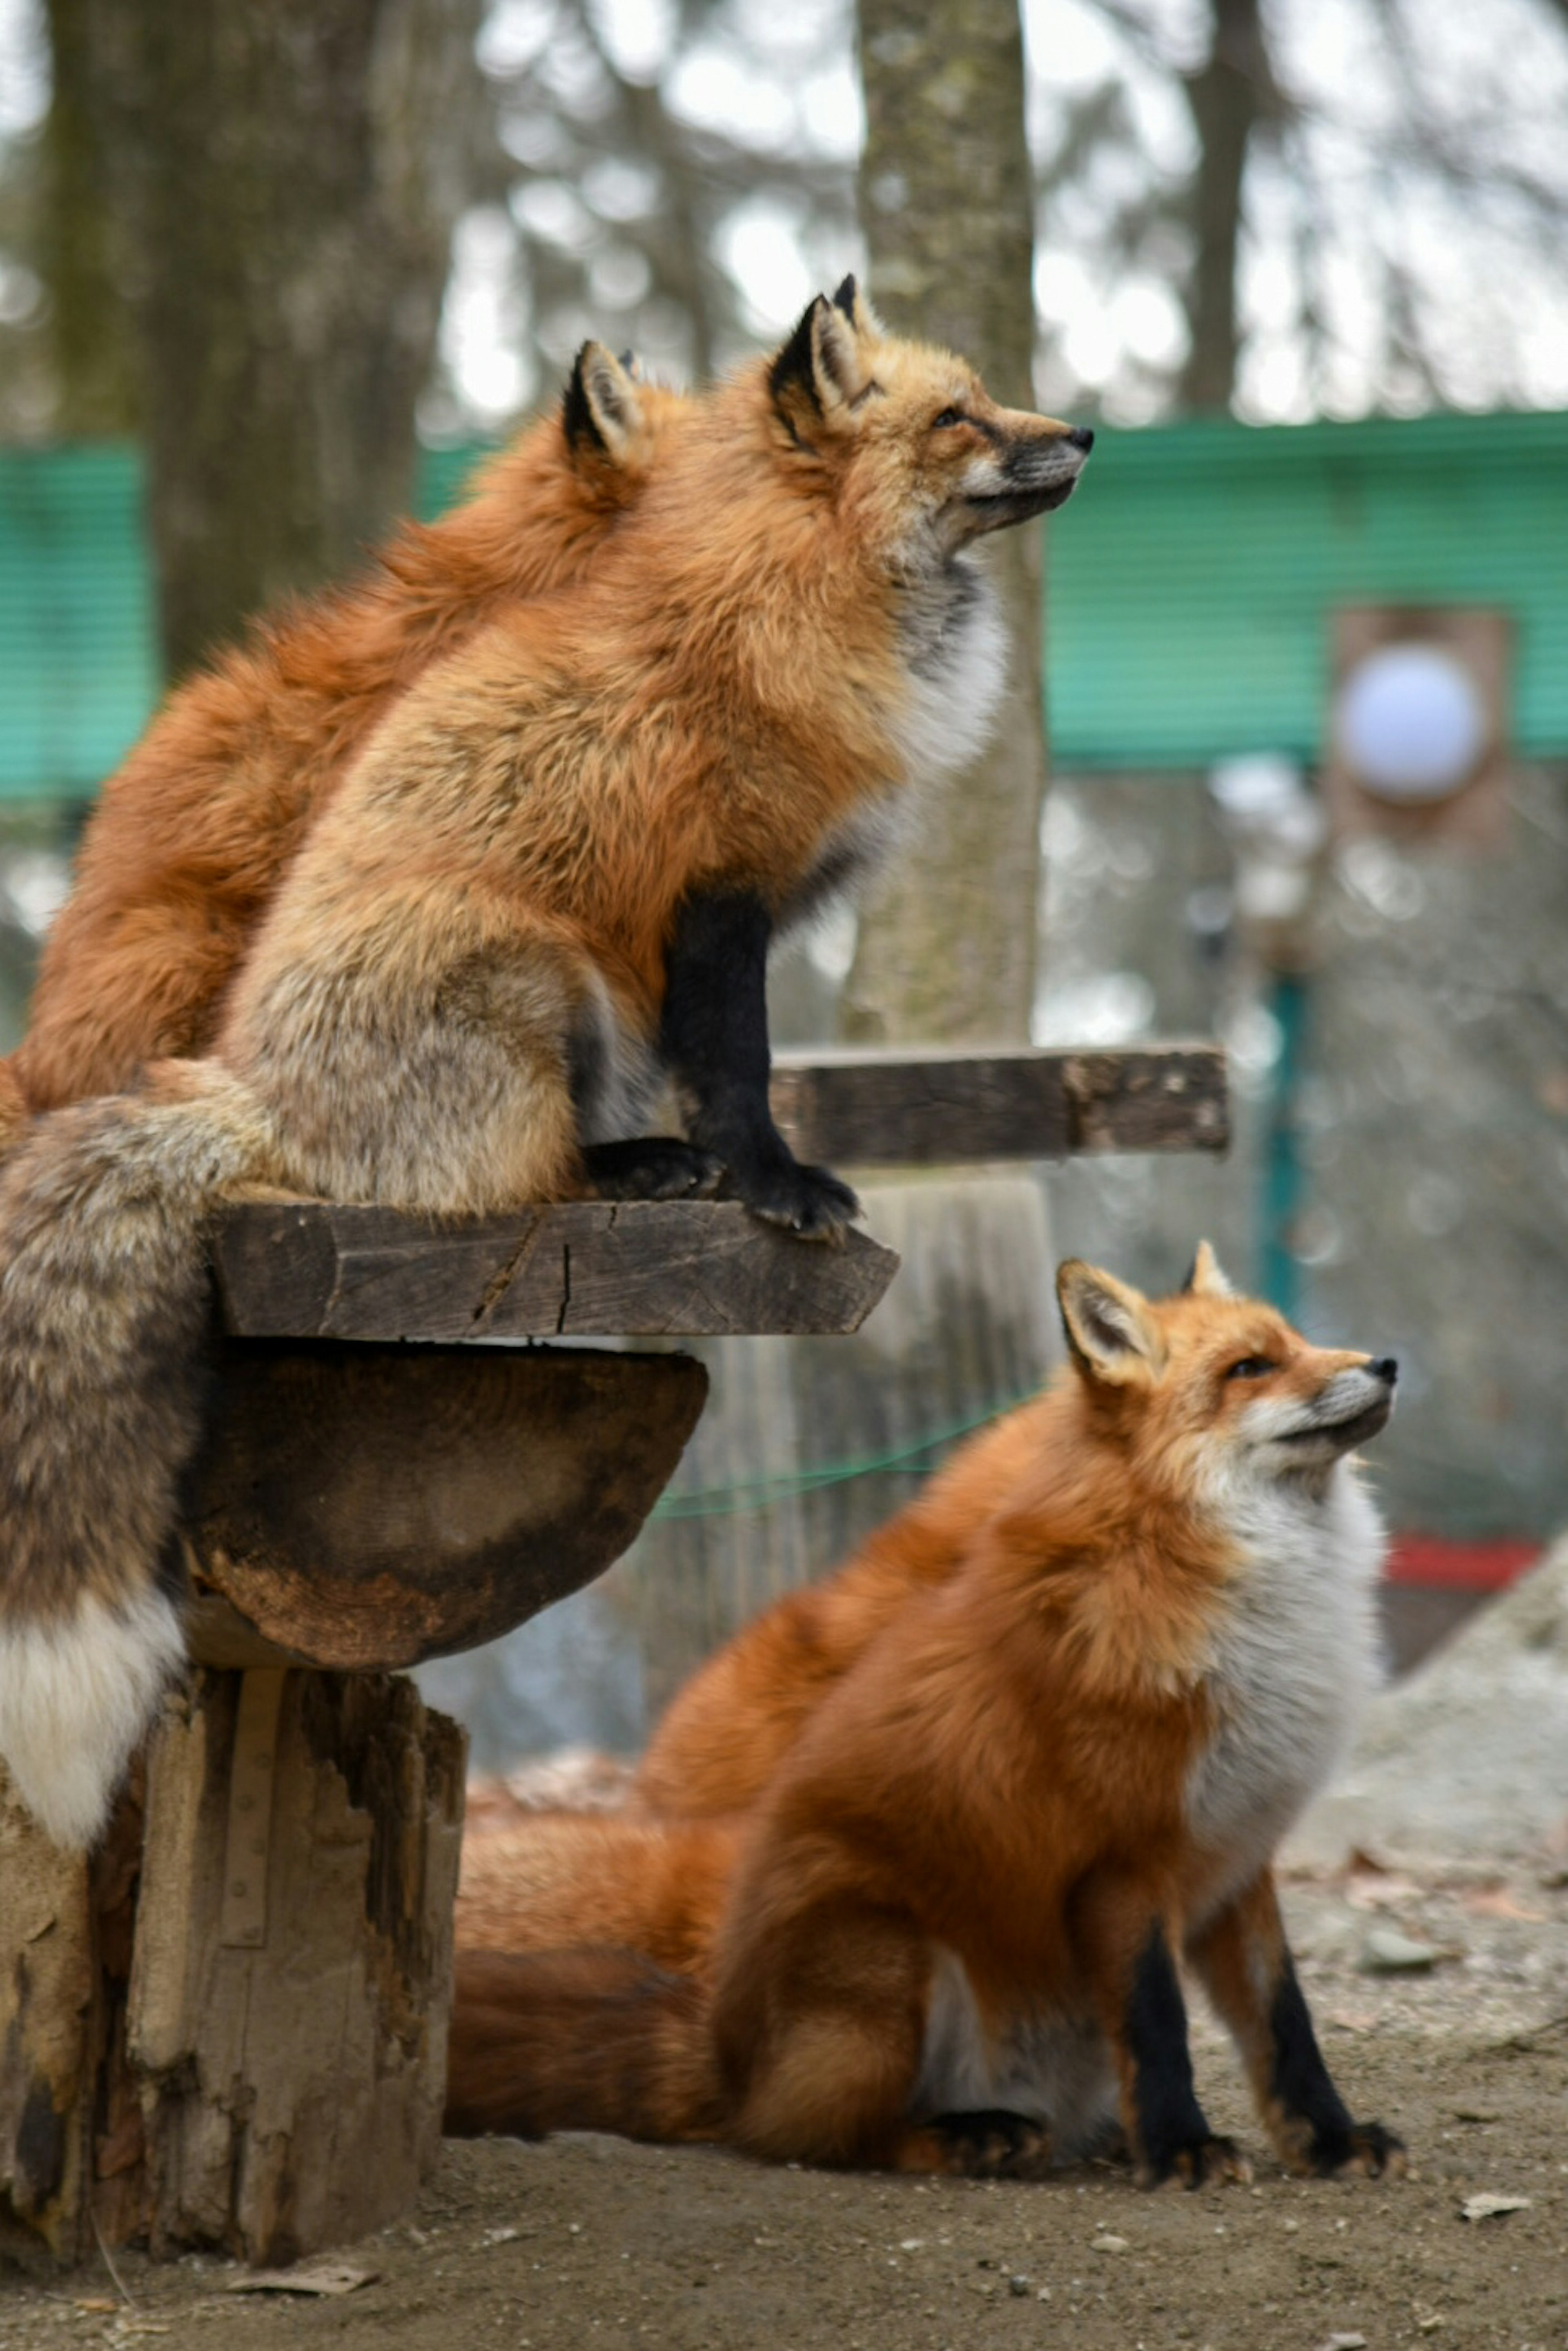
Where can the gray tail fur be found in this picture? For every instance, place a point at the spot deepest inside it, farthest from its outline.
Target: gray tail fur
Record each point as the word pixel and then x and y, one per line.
pixel 104 1209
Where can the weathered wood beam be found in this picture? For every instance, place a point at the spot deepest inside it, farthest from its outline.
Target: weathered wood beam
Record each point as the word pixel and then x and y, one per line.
pixel 368 1507
pixel 309 1269
pixel 862 1109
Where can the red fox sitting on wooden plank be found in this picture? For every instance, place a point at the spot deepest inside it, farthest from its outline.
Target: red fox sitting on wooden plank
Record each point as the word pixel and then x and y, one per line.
pixel 1052 1759
pixel 187 846
pixel 550 879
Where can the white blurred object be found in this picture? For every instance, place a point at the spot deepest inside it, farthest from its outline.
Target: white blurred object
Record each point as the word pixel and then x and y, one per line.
pixel 1412 723
pixel 1279 829
pixel 34 885
pixel 1257 789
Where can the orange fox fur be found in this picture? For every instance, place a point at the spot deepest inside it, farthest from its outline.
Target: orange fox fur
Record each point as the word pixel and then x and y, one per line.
pixel 549 878
pixel 740 699
pixel 945 1934
pixel 721 1738
pixel 193 835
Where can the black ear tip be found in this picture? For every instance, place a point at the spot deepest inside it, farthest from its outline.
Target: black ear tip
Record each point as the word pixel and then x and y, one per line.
pixel 846 298
pixel 578 420
pixel 629 361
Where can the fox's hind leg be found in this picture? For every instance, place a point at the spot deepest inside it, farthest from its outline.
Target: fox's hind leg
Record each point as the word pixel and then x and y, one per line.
pixel 819 2036
pixel 1243 1961
pixel 417 1058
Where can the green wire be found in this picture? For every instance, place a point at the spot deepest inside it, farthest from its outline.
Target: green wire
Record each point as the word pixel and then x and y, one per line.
pixel 765 1493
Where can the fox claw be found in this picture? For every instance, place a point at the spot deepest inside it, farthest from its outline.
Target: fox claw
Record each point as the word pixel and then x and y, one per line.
pixel 807 1201
pixel 1366 2151
pixel 991 2144
pixel 653 1167
pixel 1199 2163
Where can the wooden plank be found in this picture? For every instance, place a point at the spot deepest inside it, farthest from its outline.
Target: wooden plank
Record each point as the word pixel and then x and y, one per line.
pixel 310 1268
pixel 860 1109
pixel 368 1507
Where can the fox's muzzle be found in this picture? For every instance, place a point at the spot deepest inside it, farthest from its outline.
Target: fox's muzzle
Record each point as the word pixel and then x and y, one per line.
pixel 1037 476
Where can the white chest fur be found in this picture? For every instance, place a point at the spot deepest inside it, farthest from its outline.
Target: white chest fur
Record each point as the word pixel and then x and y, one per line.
pixel 954 651
pixel 1292 1662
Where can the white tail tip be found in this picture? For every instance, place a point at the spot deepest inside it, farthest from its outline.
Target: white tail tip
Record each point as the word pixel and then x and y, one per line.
pixel 74 1699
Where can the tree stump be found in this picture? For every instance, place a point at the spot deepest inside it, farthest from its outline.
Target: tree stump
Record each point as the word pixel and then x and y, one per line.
pixel 227 2028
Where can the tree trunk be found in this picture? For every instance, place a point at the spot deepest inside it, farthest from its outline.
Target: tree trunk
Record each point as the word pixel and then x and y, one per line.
pixel 289 173
pixel 1231 95
pixel 948 942
pixel 82 241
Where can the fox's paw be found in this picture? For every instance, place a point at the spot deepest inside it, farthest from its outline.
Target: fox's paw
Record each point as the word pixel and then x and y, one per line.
pixel 652 1167
pixel 990 2143
pixel 807 1201
pixel 1365 2151
pixel 1204 2162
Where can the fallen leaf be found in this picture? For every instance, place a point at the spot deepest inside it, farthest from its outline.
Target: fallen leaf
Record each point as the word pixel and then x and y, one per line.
pixel 1488 2207
pixel 1379 1889
pixel 97 2304
pixel 1497 1901
pixel 326 2277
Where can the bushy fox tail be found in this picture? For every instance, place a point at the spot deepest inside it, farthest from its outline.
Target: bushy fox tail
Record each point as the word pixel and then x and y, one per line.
pixel 580 2040
pixel 103 1305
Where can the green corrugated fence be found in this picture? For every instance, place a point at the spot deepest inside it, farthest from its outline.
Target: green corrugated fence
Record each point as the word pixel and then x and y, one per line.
pixel 1194 577
pixel 1192 583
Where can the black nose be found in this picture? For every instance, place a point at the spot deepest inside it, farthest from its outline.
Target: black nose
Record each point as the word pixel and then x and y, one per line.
pixel 1386 1368
pixel 1082 438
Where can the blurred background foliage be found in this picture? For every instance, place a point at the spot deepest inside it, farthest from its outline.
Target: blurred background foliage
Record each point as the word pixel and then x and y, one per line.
pixel 1303 207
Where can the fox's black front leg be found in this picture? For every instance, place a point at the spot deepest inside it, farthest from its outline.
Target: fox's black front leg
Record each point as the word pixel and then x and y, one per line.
pixel 1244 1960
pixel 714 1041
pixel 1170 2133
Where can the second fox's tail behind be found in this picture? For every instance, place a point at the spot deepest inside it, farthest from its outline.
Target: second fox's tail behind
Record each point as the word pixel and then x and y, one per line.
pixel 104 1210
pixel 582 2039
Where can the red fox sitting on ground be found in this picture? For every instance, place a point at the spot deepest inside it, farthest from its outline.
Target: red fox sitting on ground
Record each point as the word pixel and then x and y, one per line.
pixel 192 837
pixel 550 879
pixel 945 1934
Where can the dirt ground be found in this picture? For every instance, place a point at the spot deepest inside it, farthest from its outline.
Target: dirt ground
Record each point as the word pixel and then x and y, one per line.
pixel 587 2242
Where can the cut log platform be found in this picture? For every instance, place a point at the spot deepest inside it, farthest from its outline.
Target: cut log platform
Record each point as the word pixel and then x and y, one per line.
pixel 367 1508
pixel 309 1269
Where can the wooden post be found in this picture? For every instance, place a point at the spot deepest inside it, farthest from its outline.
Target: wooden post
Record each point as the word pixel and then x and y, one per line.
pixel 228 2028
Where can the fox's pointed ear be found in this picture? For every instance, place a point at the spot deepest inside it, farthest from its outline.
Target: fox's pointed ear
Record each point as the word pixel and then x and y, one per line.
pixel 819 373
pixel 849 298
pixel 1110 1330
pixel 1206 1276
pixel 600 413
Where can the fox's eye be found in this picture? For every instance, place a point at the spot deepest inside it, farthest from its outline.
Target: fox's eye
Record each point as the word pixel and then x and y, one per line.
pixel 1251 1367
pixel 949 416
